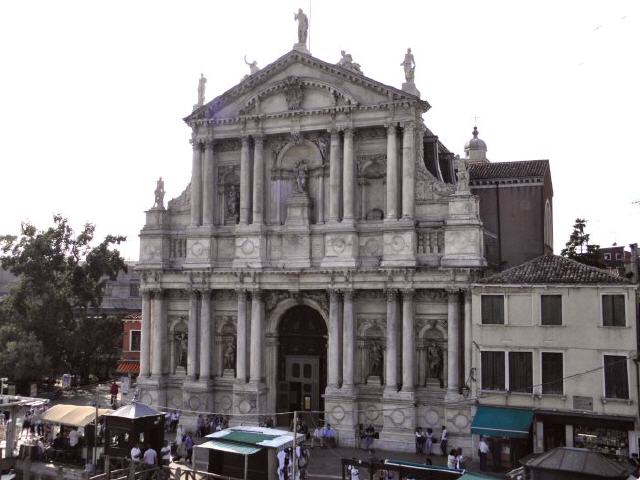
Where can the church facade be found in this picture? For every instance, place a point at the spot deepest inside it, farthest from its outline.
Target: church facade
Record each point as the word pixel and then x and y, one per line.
pixel 319 260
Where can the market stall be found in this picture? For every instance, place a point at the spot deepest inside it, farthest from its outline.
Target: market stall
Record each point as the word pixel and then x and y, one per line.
pixel 133 424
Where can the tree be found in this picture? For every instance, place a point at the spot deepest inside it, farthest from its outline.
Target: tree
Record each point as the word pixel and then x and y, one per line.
pixel 578 247
pixel 60 276
pixel 22 357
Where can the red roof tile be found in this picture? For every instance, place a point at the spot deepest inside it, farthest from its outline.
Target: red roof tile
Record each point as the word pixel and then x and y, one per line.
pixel 522 169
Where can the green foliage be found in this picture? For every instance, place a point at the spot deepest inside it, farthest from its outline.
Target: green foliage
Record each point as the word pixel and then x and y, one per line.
pixel 60 276
pixel 22 357
pixel 578 247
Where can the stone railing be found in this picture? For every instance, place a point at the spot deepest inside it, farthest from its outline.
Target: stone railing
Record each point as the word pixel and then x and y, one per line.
pixel 431 242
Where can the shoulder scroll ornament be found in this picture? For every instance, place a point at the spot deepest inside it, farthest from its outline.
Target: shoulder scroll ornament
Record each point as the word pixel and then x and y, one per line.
pixel 293 92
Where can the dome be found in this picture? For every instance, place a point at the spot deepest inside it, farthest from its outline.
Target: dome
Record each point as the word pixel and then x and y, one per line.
pixel 475 143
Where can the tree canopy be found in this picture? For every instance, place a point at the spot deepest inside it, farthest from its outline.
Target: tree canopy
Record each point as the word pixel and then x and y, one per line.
pixel 60 276
pixel 578 247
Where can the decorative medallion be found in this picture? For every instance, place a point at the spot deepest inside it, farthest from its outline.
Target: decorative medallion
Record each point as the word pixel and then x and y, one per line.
pixel 338 413
pixel 197 249
pixel 244 406
pixel 338 245
pixel 194 402
pixel 397 417
pixel 372 247
pixel 247 247
pixel 398 243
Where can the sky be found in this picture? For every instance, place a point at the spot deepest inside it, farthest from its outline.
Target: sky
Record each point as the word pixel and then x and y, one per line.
pixel 92 94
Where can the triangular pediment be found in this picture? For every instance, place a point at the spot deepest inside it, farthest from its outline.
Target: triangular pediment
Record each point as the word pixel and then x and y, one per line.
pixel 301 82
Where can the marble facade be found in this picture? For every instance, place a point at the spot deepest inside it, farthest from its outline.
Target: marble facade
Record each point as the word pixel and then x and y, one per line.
pixel 309 188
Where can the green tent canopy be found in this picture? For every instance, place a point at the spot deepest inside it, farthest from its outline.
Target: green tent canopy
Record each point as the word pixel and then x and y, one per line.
pixel 502 422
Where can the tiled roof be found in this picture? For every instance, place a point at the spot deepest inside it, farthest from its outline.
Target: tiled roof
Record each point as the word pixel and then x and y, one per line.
pixel 133 316
pixel 524 169
pixel 553 269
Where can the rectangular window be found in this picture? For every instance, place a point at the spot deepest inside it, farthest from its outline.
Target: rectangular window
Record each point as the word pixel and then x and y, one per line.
pixel 521 372
pixel 492 365
pixel 618 256
pixel 134 289
pixel 551 309
pixel 613 313
pixel 607 256
pixel 552 371
pixel 616 384
pixel 492 309
pixel 134 336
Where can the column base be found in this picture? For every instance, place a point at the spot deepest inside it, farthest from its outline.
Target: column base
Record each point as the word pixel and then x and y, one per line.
pixel 341 412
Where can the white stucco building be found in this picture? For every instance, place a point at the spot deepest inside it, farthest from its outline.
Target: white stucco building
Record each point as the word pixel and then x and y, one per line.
pixel 315 261
pixel 558 339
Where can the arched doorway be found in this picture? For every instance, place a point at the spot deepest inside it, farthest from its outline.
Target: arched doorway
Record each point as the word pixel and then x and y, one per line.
pixel 302 360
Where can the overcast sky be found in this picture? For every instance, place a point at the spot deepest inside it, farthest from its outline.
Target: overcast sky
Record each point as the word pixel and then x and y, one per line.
pixel 92 94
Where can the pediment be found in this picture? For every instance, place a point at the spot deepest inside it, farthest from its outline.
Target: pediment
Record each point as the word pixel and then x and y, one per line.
pixel 300 82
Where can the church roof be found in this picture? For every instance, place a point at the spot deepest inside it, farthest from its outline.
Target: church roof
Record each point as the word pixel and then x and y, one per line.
pixel 253 82
pixel 553 269
pixel 521 169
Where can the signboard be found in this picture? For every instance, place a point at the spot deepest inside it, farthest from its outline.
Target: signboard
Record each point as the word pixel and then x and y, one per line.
pixel 126 383
pixel 33 390
pixel 582 403
pixel 66 380
pixel 11 390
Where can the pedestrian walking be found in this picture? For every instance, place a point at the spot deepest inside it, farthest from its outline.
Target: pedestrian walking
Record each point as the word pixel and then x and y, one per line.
pixel 444 439
pixel 428 443
pixel 483 450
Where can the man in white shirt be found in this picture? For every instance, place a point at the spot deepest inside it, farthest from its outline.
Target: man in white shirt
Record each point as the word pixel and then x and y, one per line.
pixel 150 457
pixel 483 449
pixel 165 453
pixel 136 453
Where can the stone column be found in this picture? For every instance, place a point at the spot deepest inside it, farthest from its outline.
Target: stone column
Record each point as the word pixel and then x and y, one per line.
pixel 145 335
pixel 257 336
pixel 467 334
pixel 392 173
pixel 258 179
pixel 160 327
pixel 453 339
pixel 245 182
pixel 408 170
pixel 333 375
pixel 334 177
pixel 408 341
pixel 348 186
pixel 196 185
pixel 241 337
pixel 206 324
pixel 208 184
pixel 192 336
pixel 391 370
pixel 348 340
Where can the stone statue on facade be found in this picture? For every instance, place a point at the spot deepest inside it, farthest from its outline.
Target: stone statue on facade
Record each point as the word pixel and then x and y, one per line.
pixel 347 62
pixel 463 175
pixel 302 177
pixel 201 84
pixel 303 26
pixel 181 349
pixel 159 194
pixel 233 202
pixel 253 66
pixel 434 362
pixel 375 360
pixel 229 355
pixel 409 65
pixel 293 92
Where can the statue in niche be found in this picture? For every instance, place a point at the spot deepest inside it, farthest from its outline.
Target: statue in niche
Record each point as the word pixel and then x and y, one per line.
pixel 375 359
pixel 229 355
pixel 233 202
pixel 435 362
pixel 159 194
pixel 303 26
pixel 409 65
pixel 463 175
pixel 181 349
pixel 347 62
pixel 293 92
pixel 302 177
pixel 253 66
pixel 201 84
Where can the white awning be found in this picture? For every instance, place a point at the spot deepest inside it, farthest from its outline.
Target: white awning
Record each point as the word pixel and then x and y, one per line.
pixel 230 447
pixel 73 415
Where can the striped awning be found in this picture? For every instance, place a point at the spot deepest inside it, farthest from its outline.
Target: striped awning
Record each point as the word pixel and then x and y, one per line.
pixel 128 366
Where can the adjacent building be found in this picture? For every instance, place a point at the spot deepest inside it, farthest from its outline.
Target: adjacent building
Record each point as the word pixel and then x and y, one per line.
pixel 557 339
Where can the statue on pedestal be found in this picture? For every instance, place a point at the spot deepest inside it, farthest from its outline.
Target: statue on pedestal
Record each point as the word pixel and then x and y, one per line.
pixel 409 65
pixel 303 26
pixel 375 360
pixel 229 355
pixel 435 362
pixel 302 177
pixel 159 193
pixel 181 349
pixel 201 84
pixel 233 202
pixel 463 175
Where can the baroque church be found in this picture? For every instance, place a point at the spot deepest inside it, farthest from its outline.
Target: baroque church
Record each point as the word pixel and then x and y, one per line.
pixel 319 260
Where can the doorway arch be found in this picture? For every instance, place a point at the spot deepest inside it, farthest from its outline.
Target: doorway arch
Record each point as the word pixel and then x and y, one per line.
pixel 301 368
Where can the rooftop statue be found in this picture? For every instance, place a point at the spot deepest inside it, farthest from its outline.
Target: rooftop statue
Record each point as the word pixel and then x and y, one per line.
pixel 201 84
pixel 253 66
pixel 409 65
pixel 347 62
pixel 463 175
pixel 303 26
pixel 159 193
